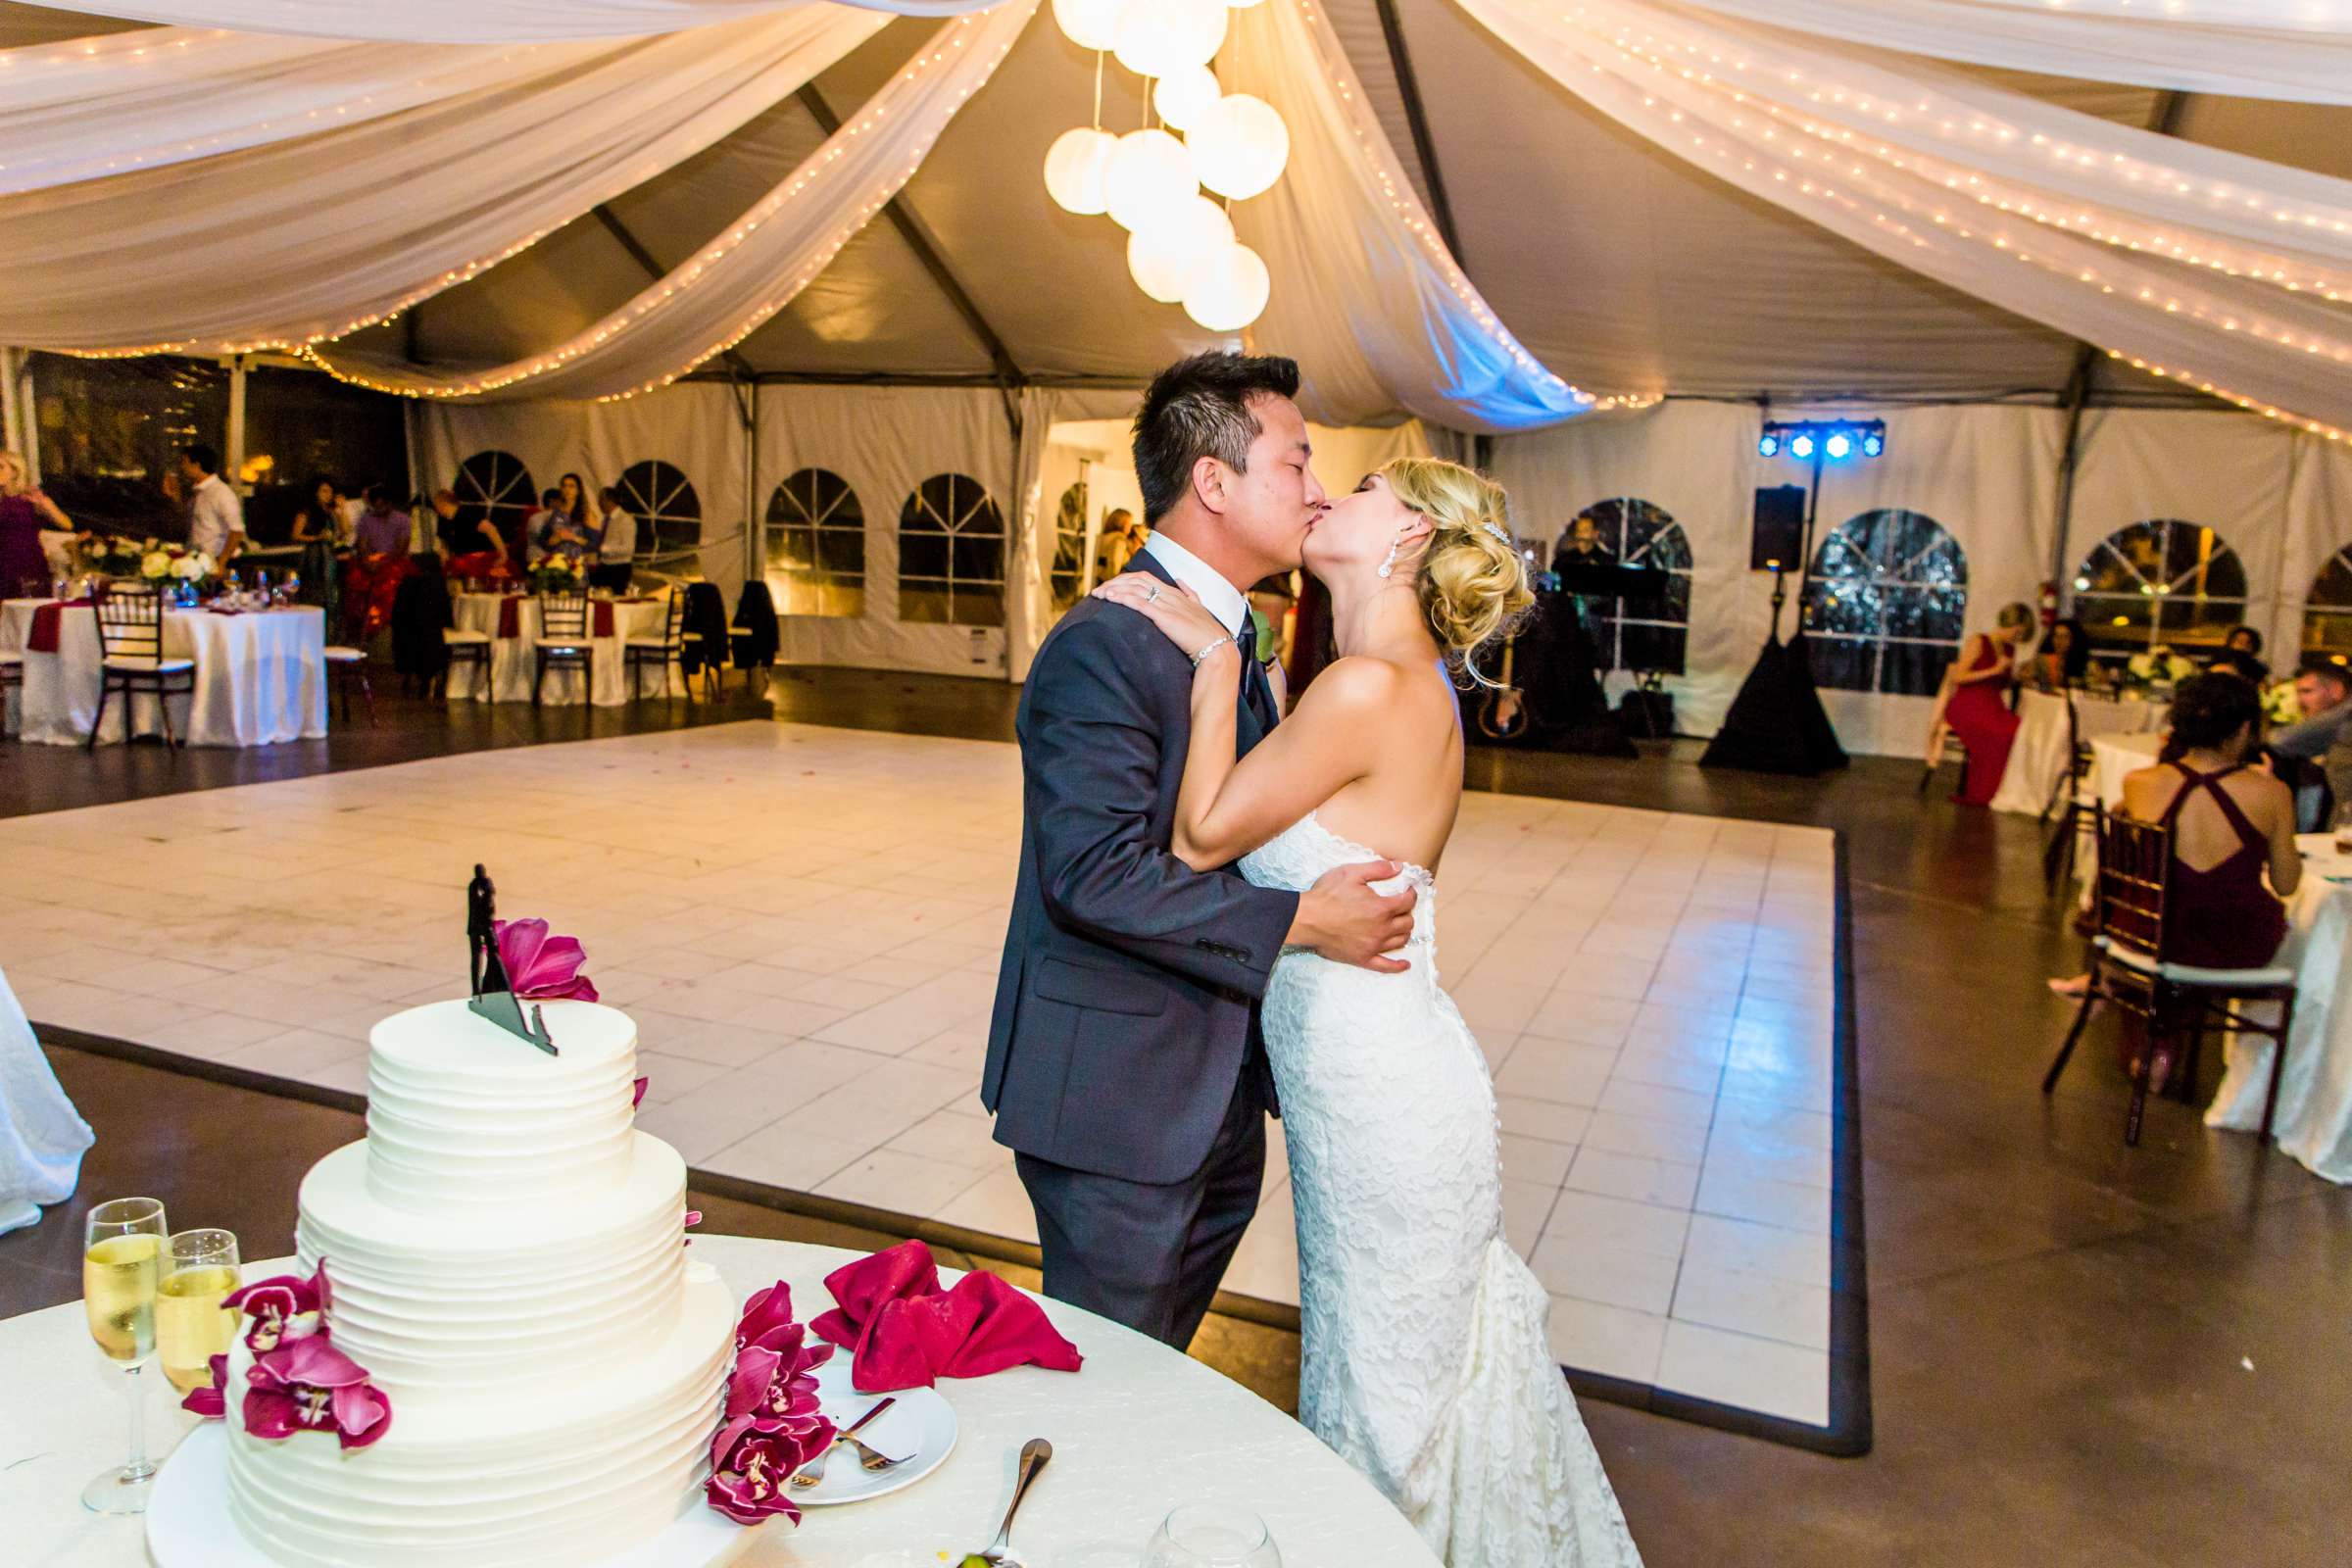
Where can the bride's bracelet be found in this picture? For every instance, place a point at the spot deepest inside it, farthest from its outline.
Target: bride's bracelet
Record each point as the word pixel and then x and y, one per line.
pixel 1223 642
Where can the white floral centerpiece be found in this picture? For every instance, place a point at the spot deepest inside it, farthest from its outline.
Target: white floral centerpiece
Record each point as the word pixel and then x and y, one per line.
pixel 2278 705
pixel 2158 666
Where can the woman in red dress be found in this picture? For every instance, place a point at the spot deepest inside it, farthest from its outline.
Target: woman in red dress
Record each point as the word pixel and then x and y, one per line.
pixel 1979 710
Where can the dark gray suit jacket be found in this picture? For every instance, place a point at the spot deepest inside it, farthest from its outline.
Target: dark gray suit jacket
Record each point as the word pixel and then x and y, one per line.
pixel 1127 1004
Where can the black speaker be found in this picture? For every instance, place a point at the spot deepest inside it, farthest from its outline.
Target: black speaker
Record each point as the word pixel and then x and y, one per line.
pixel 1779 536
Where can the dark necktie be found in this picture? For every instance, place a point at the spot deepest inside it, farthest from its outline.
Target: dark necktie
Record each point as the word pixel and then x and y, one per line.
pixel 1256 694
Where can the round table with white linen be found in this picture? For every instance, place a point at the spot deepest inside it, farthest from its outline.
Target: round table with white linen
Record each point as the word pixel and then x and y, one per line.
pixel 2037 757
pixel 1139 1430
pixel 261 677
pixel 2314 1123
pixel 513 666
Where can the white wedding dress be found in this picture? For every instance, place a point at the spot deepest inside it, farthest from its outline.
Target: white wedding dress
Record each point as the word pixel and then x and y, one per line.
pixel 1425 1362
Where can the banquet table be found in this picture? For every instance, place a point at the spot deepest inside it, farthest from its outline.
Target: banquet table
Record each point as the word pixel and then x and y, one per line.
pixel 513 667
pixel 1139 1430
pixel 2314 1123
pixel 2037 757
pixel 261 677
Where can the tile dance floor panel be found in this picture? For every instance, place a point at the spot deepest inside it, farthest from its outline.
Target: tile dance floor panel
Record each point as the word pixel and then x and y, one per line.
pixel 806 924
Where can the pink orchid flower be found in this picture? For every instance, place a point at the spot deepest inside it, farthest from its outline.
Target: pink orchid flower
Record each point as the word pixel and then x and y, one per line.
pixel 210 1401
pixel 773 1383
pixel 308 1385
pixel 282 1307
pixel 637 1092
pixel 542 967
pixel 748 1485
pixel 769 1310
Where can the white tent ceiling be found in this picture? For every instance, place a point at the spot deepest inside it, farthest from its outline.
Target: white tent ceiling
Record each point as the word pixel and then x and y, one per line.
pixel 1616 262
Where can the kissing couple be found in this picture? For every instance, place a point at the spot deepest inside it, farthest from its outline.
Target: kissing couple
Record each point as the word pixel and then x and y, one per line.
pixel 1222 912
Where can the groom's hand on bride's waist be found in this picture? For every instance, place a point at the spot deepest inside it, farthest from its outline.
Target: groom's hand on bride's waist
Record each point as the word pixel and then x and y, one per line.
pixel 1345 919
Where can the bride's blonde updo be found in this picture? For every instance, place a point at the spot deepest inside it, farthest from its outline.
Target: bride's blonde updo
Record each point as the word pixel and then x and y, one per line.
pixel 1473 585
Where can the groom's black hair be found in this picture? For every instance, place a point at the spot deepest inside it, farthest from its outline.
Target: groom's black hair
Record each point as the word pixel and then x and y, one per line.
pixel 1200 407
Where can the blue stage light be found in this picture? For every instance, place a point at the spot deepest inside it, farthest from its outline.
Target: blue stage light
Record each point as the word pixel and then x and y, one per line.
pixel 1838 445
pixel 1768 445
pixel 1800 446
pixel 1872 444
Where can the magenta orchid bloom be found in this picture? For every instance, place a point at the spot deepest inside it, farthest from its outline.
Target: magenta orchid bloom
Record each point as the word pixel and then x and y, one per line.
pixel 773 1383
pixel 210 1402
pixel 748 1485
pixel 309 1386
pixel 768 1310
pixel 541 967
pixel 637 1093
pixel 282 1308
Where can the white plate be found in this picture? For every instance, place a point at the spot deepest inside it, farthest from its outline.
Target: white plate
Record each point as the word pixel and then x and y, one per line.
pixel 190 1525
pixel 921 1426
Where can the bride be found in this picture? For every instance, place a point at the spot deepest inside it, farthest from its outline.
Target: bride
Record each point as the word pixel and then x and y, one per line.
pixel 1425 1362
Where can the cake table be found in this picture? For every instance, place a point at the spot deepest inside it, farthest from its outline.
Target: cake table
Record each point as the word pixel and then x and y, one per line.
pixel 1139 1431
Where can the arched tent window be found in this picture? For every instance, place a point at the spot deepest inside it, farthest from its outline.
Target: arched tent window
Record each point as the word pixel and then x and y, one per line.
pixel 816 545
pixel 951 555
pixel 2327 613
pixel 669 513
pixel 499 484
pixel 1643 635
pixel 2160 582
pixel 1889 598
pixel 1069 547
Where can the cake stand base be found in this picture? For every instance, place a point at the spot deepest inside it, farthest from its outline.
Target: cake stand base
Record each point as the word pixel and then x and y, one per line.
pixel 189 1526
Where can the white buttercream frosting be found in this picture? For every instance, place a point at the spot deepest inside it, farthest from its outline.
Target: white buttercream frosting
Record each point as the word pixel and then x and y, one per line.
pixel 462 1112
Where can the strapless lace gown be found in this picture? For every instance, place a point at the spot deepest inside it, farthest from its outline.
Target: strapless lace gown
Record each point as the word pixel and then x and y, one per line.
pixel 1425 1362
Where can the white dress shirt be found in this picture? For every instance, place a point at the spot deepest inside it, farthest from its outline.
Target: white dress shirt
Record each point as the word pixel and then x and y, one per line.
pixel 619 544
pixel 214 514
pixel 1222 598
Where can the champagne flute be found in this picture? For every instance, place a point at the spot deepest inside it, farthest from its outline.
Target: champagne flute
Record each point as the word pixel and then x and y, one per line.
pixel 123 1247
pixel 190 1325
pixel 1211 1534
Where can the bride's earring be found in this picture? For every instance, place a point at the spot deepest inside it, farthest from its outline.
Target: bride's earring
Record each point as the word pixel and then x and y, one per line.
pixel 1387 567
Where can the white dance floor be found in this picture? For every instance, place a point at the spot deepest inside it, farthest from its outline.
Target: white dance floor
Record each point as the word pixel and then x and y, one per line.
pixel 806 924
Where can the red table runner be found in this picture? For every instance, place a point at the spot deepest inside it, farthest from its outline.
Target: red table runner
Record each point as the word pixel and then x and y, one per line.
pixel 510 616
pixel 41 637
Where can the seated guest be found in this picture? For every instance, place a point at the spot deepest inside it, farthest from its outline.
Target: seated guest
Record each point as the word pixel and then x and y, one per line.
pixel 2245 667
pixel 1978 709
pixel 2064 658
pixel 461 532
pixel 616 543
pixel 2324 694
pixel 2242 650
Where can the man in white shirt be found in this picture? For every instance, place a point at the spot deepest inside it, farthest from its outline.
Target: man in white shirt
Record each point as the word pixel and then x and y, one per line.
pixel 616 543
pixel 215 517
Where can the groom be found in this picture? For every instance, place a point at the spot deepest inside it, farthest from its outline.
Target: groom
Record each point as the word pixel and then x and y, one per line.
pixel 1124 1061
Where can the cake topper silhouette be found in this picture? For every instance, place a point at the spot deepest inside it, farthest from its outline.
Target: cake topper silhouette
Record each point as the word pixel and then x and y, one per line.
pixel 494 995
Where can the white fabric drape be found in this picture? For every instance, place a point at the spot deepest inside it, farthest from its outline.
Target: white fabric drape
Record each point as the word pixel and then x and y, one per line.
pixel 2163 275
pixel 166 95
pixel 478 20
pixel 283 245
pixel 765 257
pixel 1366 296
pixel 2283 49
pixel 42 1137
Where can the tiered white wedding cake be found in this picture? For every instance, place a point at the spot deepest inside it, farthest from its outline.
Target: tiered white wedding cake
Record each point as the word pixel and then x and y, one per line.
pixel 503 1254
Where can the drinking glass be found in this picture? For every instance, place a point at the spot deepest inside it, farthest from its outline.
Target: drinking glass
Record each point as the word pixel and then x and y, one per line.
pixel 2343 830
pixel 1211 1534
pixel 190 1325
pixel 123 1256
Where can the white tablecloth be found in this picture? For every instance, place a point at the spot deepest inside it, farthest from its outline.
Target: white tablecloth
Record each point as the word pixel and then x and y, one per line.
pixel 2314 1123
pixel 1138 1430
pixel 513 664
pixel 261 677
pixel 2037 757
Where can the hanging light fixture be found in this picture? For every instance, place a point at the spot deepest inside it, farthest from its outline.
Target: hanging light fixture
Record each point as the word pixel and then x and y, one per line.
pixel 1075 166
pixel 1147 174
pixel 1227 290
pixel 1183 97
pixel 1239 146
pixel 1161 37
pixel 1162 256
pixel 1090 23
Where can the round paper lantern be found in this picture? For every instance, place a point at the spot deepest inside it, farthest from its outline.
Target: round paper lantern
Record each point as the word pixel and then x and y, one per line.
pixel 1161 255
pixel 1075 165
pixel 1227 290
pixel 1161 37
pixel 1148 176
pixel 1239 146
pixel 1090 23
pixel 1184 96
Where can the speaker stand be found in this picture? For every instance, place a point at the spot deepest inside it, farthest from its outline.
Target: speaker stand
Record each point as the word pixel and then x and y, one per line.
pixel 1777 724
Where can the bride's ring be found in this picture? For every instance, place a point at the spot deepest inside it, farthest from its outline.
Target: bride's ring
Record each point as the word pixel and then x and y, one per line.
pixel 1151 594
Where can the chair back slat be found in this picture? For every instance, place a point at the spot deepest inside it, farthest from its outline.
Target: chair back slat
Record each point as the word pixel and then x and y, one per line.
pixel 131 623
pixel 2136 861
pixel 564 617
pixel 673 619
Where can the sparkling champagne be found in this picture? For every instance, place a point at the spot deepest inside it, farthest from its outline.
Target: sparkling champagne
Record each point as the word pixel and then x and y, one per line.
pixel 117 1289
pixel 190 1327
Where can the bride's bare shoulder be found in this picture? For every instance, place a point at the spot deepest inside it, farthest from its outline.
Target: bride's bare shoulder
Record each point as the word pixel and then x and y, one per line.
pixel 1358 686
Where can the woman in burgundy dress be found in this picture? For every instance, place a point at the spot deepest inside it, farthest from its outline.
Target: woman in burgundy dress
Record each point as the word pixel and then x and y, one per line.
pixel 1977 710
pixel 25 511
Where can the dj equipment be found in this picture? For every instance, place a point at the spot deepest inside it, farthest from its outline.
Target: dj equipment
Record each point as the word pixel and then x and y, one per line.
pixel 1779 539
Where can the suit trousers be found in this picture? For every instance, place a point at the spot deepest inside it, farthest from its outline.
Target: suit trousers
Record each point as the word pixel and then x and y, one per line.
pixel 1150 1255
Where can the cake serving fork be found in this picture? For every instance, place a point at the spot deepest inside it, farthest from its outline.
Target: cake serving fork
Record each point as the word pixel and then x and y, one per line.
pixel 809 1474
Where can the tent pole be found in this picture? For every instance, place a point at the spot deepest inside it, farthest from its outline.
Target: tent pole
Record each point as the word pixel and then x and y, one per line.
pixel 755 542
pixel 2078 393
pixel 234 462
pixel 1416 119
pixel 12 402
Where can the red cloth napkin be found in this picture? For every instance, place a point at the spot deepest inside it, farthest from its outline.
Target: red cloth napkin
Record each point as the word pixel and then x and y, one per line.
pixel 510 616
pixel 604 618
pixel 904 1332
pixel 41 636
